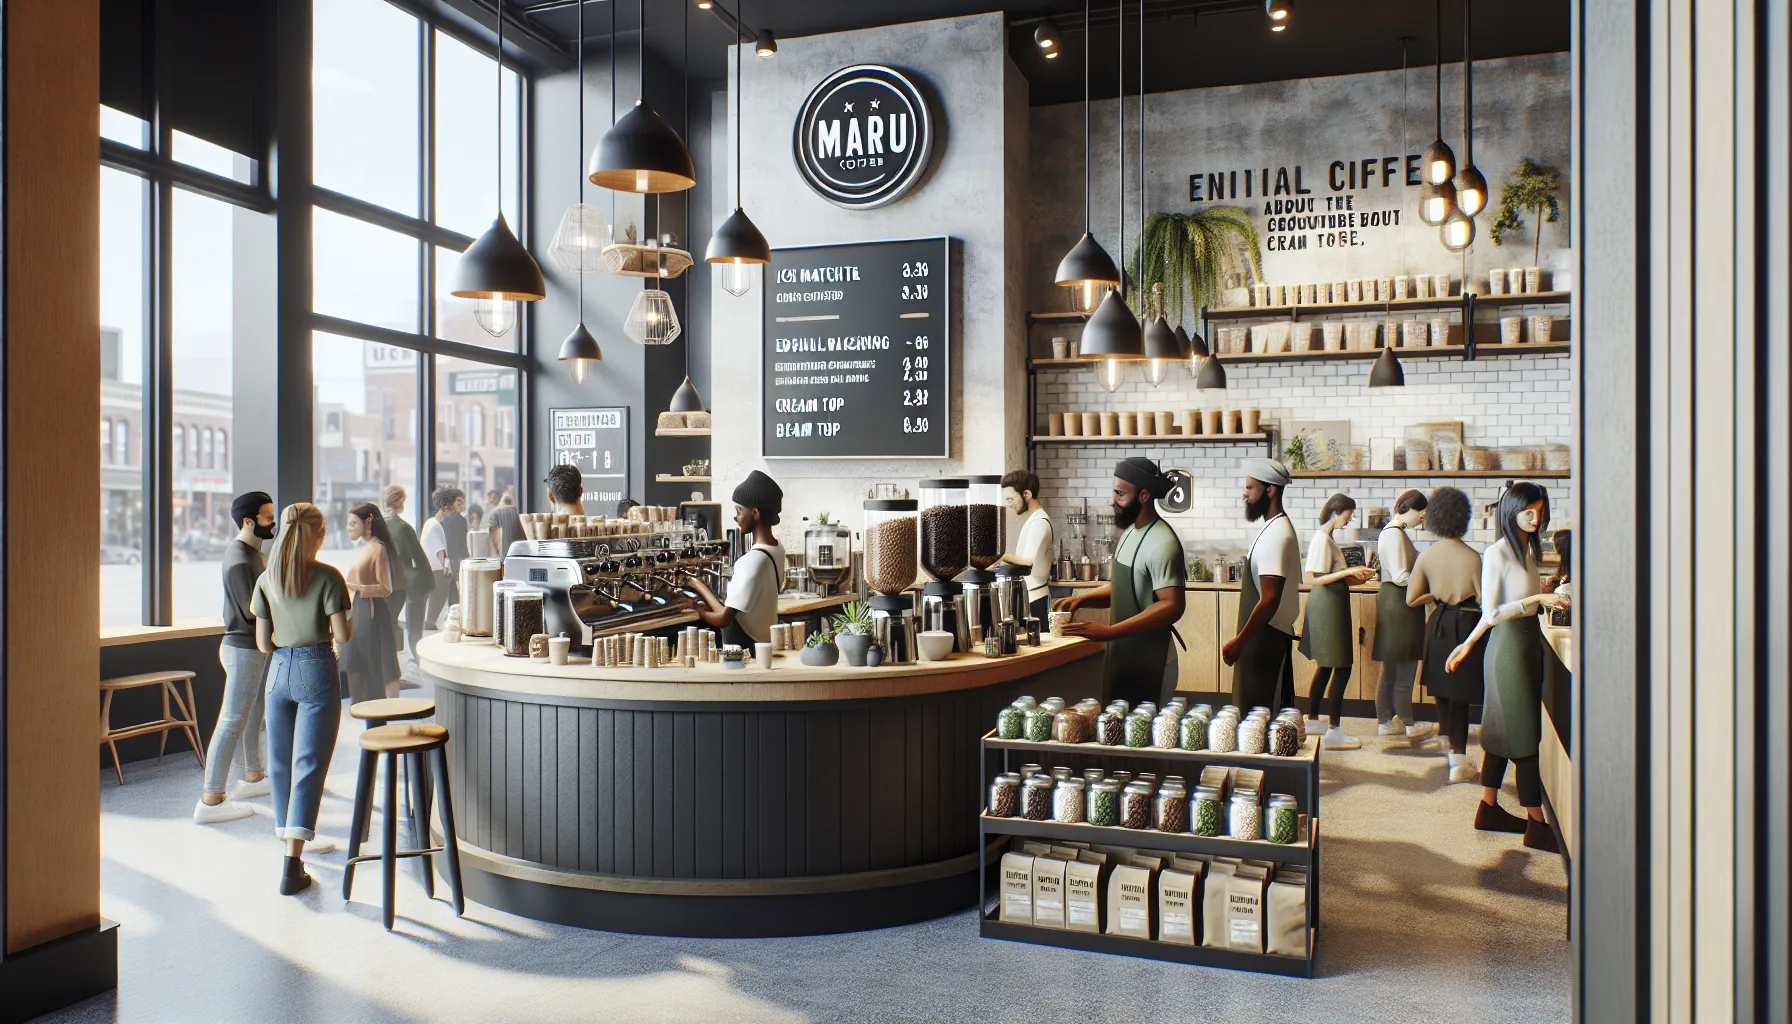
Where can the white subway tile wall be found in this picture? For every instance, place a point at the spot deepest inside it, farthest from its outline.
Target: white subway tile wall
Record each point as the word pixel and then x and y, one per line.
pixel 1508 401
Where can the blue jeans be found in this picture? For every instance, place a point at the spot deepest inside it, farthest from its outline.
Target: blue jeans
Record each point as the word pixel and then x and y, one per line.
pixel 236 739
pixel 304 709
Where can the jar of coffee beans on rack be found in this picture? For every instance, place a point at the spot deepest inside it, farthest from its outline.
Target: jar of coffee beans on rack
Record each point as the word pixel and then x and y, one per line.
pixel 1067 801
pixel 1027 771
pixel 1110 729
pixel 1039 724
pixel 1004 796
pixel 1171 811
pixel 1135 805
pixel 1283 819
pixel 1011 723
pixel 1037 799
pixel 1253 735
pixel 1246 817
pixel 1138 729
pixel 1222 734
pixel 1166 731
pixel 1192 732
pixel 1104 803
pixel 1207 817
pixel 1284 738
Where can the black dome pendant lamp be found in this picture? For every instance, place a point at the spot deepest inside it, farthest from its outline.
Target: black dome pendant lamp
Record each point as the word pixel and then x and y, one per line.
pixel 1087 269
pixel 738 243
pixel 641 152
pixel 686 398
pixel 1440 163
pixel 496 269
pixel 1113 335
pixel 1387 372
pixel 1162 348
pixel 581 349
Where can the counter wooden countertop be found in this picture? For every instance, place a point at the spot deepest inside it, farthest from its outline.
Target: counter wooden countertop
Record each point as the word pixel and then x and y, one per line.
pixel 480 665
pixel 1361 588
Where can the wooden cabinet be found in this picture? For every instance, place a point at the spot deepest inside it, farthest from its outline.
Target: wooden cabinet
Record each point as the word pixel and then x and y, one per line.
pixel 1366 676
pixel 1197 668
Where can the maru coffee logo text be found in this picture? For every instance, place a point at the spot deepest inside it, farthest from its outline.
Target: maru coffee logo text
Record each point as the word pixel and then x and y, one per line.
pixel 863 137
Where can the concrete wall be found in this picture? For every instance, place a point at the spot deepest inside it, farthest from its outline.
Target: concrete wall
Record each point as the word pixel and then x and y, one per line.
pixel 974 194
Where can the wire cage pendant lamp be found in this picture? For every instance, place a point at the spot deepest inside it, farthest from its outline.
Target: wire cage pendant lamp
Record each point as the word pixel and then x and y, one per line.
pixel 641 152
pixel 584 230
pixel 496 270
pixel 738 246
pixel 1087 269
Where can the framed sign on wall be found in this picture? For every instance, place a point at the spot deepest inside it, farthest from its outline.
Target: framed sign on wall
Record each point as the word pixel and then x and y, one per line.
pixel 856 358
pixel 864 137
pixel 595 442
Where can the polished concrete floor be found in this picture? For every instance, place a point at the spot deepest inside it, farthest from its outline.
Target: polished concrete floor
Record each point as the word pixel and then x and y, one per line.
pixel 1426 920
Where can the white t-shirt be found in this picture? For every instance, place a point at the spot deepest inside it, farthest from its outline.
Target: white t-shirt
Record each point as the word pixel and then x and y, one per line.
pixel 753 590
pixel 1324 557
pixel 1035 545
pixel 1276 552
pixel 1505 582
pixel 435 544
pixel 1391 546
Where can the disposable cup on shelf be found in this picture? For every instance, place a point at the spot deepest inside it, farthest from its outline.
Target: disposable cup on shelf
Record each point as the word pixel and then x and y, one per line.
pixel 1091 424
pixel 1210 421
pixel 1533 279
pixel 1234 419
pixel 1511 330
pixel 1496 282
pixel 1166 424
pixel 1073 424
pixel 1402 286
pixel 1060 348
pixel 1191 422
pixel 1440 285
pixel 1542 327
pixel 1110 424
pixel 1355 290
pixel 1129 424
pixel 1421 286
pixel 1147 424
pixel 1333 335
pixel 1253 419
pixel 1054 424
pixel 1515 280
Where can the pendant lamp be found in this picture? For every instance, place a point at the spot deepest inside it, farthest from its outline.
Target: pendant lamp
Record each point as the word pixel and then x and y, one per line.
pixel 1162 350
pixel 584 230
pixel 1436 202
pixel 1113 334
pixel 1440 163
pixel 1087 269
pixel 580 348
pixel 737 245
pixel 1387 372
pixel 686 398
pixel 496 270
pixel 652 319
pixel 1212 376
pixel 641 152
pixel 1471 184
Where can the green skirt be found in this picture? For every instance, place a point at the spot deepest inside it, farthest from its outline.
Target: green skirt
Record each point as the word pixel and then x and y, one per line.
pixel 1512 717
pixel 1327 638
pixel 1399 630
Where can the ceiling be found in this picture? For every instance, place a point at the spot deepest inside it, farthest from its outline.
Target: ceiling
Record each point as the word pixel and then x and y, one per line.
pixel 1189 43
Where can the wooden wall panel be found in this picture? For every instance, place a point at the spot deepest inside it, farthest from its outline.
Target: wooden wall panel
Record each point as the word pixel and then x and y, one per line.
pixel 52 400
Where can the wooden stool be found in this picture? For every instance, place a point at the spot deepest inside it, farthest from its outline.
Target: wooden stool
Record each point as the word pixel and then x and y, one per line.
pixel 394 741
pixel 385 711
pixel 392 709
pixel 188 722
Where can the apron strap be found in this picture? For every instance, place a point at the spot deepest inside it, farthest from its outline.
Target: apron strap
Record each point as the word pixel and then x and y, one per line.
pixel 1135 576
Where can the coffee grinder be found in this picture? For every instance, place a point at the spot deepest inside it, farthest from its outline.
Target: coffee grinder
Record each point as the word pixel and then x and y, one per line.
pixel 944 554
pixel 985 541
pixel 891 526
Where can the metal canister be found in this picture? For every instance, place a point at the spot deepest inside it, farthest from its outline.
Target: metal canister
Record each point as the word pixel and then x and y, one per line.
pixel 476 578
pixel 1009 637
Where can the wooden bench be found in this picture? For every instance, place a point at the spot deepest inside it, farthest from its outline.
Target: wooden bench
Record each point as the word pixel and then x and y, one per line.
pixel 188 721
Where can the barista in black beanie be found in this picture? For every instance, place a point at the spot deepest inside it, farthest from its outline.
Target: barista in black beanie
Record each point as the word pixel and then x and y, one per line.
pixel 746 618
pixel 1144 592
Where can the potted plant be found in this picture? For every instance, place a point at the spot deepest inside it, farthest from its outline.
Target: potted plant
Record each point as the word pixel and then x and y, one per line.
pixel 820 651
pixel 1532 190
pixel 853 632
pixel 1192 255
pixel 1296 452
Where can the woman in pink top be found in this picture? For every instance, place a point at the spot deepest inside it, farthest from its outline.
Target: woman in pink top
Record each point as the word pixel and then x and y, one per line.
pixel 370 660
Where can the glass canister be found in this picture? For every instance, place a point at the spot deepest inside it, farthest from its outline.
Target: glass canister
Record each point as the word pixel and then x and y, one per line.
pixel 1110 729
pixel 1025 702
pixel 1246 817
pixel 1060 773
pixel 1089 708
pixel 1039 725
pixel 1284 738
pixel 1294 715
pixel 986 521
pixel 1090 777
pixel 1120 707
pixel 1004 796
pixel 1166 731
pixel 1067 801
pixel 892 545
pixel 1284 819
pixel 1207 816
pixel 1170 813
pixel 1104 803
pixel 1149 707
pixel 1138 729
pixel 945 549
pixel 1222 734
pixel 1037 800
pixel 1011 722
pixel 1192 732
pixel 1054 704
pixel 1135 805
pixel 1027 771
pixel 1069 726
pixel 1253 735
pixel 522 620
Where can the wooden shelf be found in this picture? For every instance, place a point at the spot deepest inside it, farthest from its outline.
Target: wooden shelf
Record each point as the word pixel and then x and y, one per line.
pixel 1309 752
pixel 1432 474
pixel 1057 318
pixel 681 432
pixel 1458 352
pixel 1152 949
pixel 1524 299
pixel 667 478
pixel 1138 439
pixel 1301 309
pixel 1299 852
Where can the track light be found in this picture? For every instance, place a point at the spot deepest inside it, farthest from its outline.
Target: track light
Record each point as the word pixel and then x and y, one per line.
pixel 764 44
pixel 1046 35
pixel 1277 10
pixel 704 5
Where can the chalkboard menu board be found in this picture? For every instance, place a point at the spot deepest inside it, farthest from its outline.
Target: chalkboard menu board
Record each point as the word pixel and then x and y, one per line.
pixel 595 441
pixel 855 360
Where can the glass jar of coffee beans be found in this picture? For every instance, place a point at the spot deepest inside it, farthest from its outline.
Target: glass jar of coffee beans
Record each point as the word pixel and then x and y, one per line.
pixel 1246 817
pixel 1207 817
pixel 1039 724
pixel 1004 796
pixel 1135 805
pixel 1037 800
pixel 1138 729
pixel 1011 723
pixel 1067 801
pixel 1283 819
pixel 1192 732
pixel 1110 729
pixel 1171 811
pixel 1104 803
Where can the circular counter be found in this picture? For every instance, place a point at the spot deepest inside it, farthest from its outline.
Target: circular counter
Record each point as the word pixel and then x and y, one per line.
pixel 718 802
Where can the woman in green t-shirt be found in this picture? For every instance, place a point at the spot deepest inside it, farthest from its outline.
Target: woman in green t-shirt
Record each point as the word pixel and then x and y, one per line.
pixel 300 606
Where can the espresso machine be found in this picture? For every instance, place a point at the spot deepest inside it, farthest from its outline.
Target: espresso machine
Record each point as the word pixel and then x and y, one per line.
pixel 590 591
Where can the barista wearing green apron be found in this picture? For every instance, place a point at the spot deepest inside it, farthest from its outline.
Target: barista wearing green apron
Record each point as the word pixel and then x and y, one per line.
pixel 1144 593
pixel 1262 654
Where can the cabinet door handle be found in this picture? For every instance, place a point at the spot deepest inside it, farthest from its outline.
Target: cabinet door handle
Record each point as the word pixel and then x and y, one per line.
pixel 1362 635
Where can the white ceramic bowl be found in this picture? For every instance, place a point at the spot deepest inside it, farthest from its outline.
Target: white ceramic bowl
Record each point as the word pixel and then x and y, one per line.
pixel 935 644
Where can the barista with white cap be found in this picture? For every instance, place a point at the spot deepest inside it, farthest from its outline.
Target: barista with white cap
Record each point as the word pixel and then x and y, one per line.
pixel 1262 654
pixel 747 616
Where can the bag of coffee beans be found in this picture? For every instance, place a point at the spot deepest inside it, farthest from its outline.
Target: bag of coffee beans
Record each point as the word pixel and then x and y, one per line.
pixel 1129 901
pixel 1176 906
pixel 1048 891
pixel 1017 888
pixel 1288 914
pixel 1082 892
pixel 1213 901
pixel 1244 909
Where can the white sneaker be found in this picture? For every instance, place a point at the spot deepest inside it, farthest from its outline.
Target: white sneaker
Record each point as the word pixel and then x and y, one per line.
pixel 242 789
pixel 1464 772
pixel 1337 739
pixel 1391 727
pixel 1421 730
pixel 1316 727
pixel 224 810
pixel 1431 745
pixel 320 845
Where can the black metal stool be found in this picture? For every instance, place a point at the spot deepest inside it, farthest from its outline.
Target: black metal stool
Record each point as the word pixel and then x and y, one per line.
pixel 395 741
pixel 385 711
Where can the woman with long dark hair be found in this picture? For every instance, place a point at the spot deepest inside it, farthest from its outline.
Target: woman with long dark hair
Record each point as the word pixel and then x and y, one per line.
pixel 1512 717
pixel 1448 575
pixel 371 659
pixel 300 605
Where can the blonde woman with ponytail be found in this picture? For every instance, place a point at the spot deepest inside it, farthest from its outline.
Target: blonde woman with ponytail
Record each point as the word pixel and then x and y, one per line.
pixel 301 612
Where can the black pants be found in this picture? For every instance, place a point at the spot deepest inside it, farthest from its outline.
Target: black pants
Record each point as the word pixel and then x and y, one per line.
pixel 1328 681
pixel 395 604
pixel 1452 719
pixel 445 594
pixel 1530 780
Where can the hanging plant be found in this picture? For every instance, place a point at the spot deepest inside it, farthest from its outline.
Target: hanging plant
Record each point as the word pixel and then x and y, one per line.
pixel 1533 190
pixel 1192 254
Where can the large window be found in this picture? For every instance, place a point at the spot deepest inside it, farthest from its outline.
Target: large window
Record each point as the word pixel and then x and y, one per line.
pixel 392 217
pixel 123 283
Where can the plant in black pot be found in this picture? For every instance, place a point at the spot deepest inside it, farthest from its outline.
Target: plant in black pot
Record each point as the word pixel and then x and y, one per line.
pixel 820 651
pixel 854 633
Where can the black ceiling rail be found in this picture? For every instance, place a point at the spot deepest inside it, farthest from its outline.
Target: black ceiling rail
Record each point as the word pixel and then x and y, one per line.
pixel 740 29
pixel 1155 11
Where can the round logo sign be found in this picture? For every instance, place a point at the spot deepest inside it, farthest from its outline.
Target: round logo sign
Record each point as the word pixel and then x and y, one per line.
pixel 863 137
pixel 1182 488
